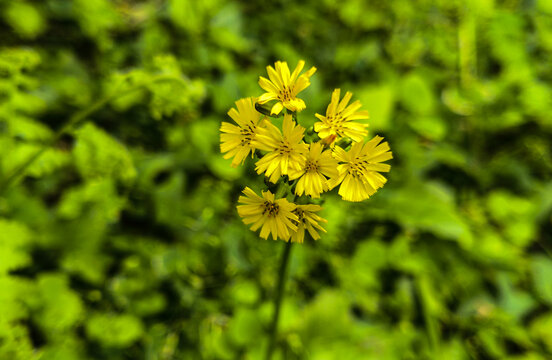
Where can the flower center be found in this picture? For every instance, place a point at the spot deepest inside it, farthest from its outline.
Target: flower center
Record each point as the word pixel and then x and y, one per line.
pixel 285 148
pixel 301 219
pixel 270 209
pixel 357 169
pixel 247 134
pixel 285 94
pixel 312 166
pixel 335 121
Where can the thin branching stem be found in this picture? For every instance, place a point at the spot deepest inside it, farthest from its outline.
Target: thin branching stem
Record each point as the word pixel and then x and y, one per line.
pixel 73 121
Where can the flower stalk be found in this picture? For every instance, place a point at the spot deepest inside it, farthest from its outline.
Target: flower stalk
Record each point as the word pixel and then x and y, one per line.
pixel 280 289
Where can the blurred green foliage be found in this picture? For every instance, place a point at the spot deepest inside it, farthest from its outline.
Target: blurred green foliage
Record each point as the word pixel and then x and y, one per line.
pixel 122 240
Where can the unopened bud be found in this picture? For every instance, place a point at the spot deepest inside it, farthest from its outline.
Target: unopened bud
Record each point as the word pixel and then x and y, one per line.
pixel 328 141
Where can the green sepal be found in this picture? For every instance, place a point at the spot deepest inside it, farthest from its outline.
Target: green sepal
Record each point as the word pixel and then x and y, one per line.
pixel 265 109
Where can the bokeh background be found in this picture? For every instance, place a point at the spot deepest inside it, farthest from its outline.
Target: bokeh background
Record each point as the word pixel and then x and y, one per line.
pixel 122 240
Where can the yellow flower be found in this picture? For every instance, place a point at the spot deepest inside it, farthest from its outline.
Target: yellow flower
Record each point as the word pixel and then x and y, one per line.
pixel 236 140
pixel 284 87
pixel 359 174
pixel 272 216
pixel 286 151
pixel 312 175
pixel 307 220
pixel 339 119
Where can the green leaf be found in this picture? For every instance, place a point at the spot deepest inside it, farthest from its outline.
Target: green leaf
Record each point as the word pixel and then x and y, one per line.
pixel 14 290
pixel 326 317
pixel 167 199
pixel 245 292
pixel 14 60
pixel 379 101
pixel 426 207
pixel 112 330
pixel 26 128
pixel 98 155
pixel 369 256
pixel 14 240
pixel 191 15
pixel 514 301
pixel 25 19
pixel 223 169
pixel 100 193
pixel 430 127
pixel 68 349
pixel 516 214
pixel 205 135
pixel 171 97
pixel 149 304
pixel 540 329
pixel 245 327
pixel 96 18
pixel 544 6
pixel 541 268
pixel 16 344
pixel 59 308
pixel 49 161
pixel 226 28
pixel 416 94
pixel 213 337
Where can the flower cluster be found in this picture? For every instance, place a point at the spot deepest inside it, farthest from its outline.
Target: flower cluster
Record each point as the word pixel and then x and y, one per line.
pixel 340 155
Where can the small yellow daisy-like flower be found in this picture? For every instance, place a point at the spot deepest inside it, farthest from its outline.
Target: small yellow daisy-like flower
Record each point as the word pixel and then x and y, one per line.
pixel 236 140
pixel 273 216
pixel 307 220
pixel 339 119
pixel 284 87
pixel 359 174
pixel 286 151
pixel 318 165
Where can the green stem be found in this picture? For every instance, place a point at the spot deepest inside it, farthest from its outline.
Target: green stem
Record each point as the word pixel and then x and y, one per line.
pixel 72 122
pixel 282 189
pixel 273 330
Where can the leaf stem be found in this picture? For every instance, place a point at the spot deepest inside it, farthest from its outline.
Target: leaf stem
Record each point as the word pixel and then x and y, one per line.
pixel 273 330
